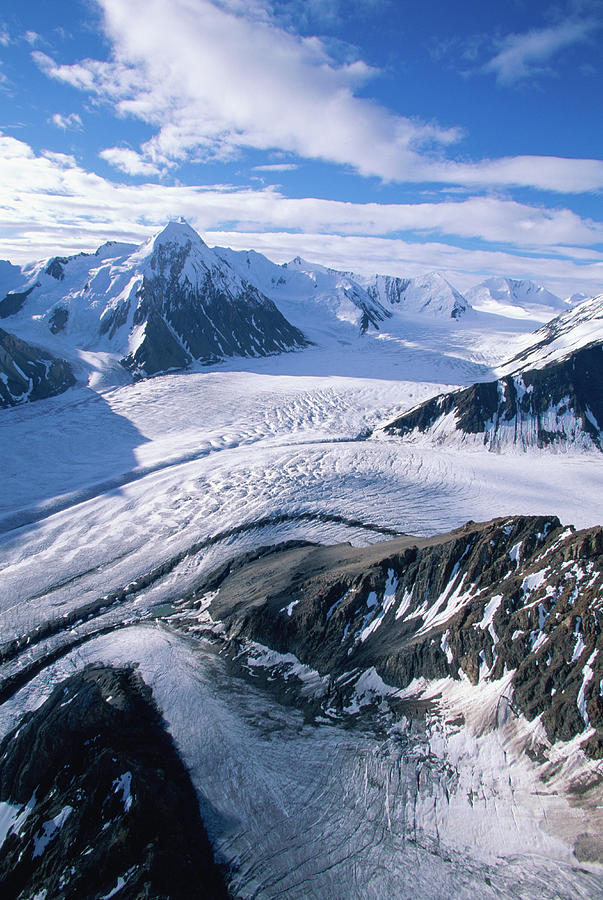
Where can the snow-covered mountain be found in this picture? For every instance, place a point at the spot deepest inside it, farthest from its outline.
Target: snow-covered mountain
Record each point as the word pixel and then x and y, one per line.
pixel 514 297
pixel 310 294
pixel 557 405
pixel 430 295
pixel 314 291
pixel 173 302
pixel 570 331
pixel 578 297
pixel 158 307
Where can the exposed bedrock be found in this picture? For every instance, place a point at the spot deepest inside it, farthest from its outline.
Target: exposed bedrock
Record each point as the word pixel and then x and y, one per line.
pixel 559 404
pixel 99 799
pixel 521 594
pixel 28 373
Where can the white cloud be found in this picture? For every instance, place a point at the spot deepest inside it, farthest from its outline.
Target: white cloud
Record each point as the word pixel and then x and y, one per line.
pixel 550 173
pixel 525 55
pixel 52 205
pixel 213 81
pixel 128 161
pixel 71 122
pixel 215 77
pixel 276 167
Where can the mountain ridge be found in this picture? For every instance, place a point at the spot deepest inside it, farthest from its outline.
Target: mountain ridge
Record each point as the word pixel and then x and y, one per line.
pixel 549 395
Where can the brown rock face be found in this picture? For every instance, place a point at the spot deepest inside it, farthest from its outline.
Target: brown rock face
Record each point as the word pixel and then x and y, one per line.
pixel 518 594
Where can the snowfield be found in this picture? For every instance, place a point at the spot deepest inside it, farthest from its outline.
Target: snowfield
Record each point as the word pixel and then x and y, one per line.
pixel 118 483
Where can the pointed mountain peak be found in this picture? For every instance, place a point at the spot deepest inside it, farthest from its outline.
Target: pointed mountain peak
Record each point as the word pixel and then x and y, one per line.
pixel 176 236
pixel 178 231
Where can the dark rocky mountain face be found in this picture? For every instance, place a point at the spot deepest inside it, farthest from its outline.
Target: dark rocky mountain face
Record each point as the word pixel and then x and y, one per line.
pixel 520 594
pixel 194 307
pixel 184 324
pixel 13 302
pixel 28 373
pixel 105 803
pixel 560 403
pixel 373 312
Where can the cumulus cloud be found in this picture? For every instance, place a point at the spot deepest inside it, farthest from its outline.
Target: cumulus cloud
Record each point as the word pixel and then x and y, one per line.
pixel 525 55
pixel 70 122
pixel 128 161
pixel 51 204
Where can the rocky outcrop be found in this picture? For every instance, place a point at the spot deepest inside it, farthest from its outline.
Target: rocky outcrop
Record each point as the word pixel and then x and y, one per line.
pixel 559 404
pixel 28 373
pixel 13 302
pixel 519 594
pixel 99 802
pixel 58 319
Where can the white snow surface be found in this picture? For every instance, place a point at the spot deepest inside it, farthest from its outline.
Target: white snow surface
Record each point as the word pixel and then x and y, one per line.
pixel 13 816
pixel 50 830
pixel 99 488
pixel 514 297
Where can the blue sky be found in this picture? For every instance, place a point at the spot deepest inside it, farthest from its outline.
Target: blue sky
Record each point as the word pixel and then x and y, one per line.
pixel 372 135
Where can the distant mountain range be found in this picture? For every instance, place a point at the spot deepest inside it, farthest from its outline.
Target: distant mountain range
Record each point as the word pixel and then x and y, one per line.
pixel 512 297
pixel 173 302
